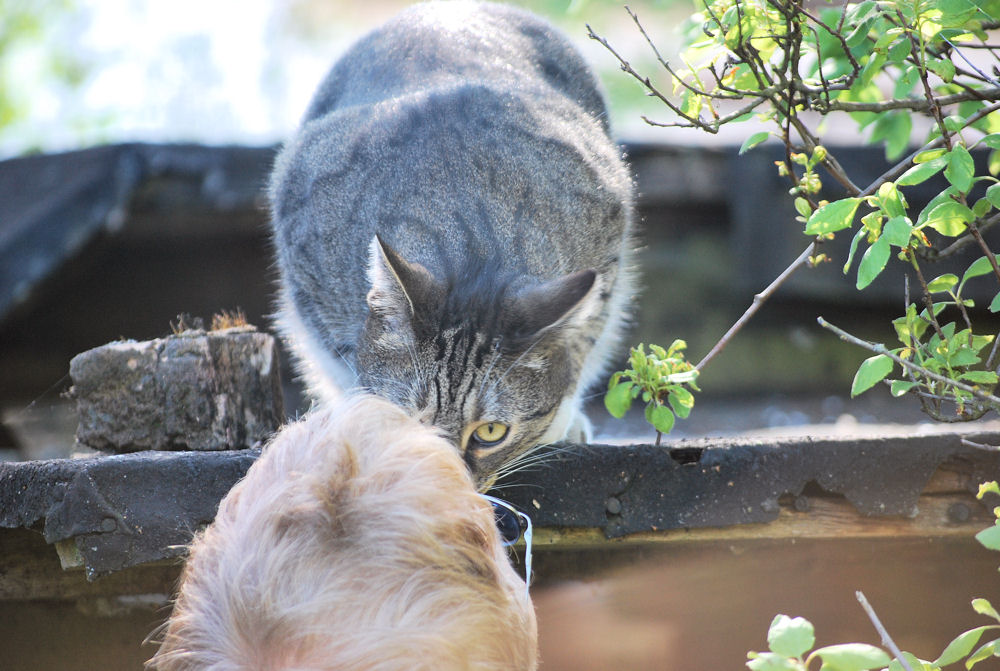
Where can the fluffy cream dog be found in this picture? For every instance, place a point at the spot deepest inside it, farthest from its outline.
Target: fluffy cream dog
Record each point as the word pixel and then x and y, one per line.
pixel 357 541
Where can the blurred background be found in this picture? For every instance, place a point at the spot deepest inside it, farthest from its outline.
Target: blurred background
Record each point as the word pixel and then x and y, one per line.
pixel 75 73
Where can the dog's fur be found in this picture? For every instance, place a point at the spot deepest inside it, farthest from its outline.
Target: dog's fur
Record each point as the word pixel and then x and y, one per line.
pixel 357 541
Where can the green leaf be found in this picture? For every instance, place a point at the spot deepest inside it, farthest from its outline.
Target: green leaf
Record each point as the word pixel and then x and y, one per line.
pixel 991 487
pixel 854 248
pixel 985 652
pixel 992 140
pixel 979 377
pixel 984 607
pixel 853 657
pixel 681 401
pixel 942 283
pixel 922 172
pixel 961 168
pixel 980 266
pixel 790 636
pixel 871 372
pixel 660 417
pixel 619 399
pixel 873 262
pixel 916 664
pixel 900 387
pixel 961 646
pixel 995 304
pixel 897 231
pixel 929 155
pixel 770 661
pixel 993 162
pixel 942 67
pixel 990 537
pixel 891 201
pixel 963 357
pixel 803 207
pixel 833 216
pixel 993 195
pixel 753 141
pixel 949 218
pixel 982 207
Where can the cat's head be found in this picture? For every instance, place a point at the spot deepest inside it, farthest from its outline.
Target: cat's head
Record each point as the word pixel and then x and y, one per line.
pixel 487 362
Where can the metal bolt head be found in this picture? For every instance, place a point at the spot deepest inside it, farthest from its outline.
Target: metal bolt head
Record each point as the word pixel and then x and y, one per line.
pixel 959 512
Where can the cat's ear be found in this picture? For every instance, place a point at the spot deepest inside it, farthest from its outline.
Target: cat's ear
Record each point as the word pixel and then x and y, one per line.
pixel 555 302
pixel 398 287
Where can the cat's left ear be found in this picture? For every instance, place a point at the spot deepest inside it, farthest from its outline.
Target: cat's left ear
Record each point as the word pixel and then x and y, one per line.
pixel 556 302
pixel 398 287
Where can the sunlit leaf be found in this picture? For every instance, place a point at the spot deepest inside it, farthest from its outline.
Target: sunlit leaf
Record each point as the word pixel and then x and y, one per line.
pixel 922 172
pixel 984 607
pixel 985 652
pixel 990 537
pixel 961 169
pixel 790 636
pixel 619 399
pixel 897 231
pixel 961 646
pixel 770 661
pixel 980 266
pixel 833 216
pixel 853 657
pixel 901 387
pixel 873 262
pixel 660 417
pixel 993 195
pixel 753 141
pixel 872 371
pixel 942 283
pixel 979 377
pixel 854 248
pixel 949 218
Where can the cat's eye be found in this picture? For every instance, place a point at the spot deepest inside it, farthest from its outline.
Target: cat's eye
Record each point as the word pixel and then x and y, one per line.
pixel 489 433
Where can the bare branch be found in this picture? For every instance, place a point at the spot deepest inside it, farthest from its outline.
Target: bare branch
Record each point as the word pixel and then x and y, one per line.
pixel 980 446
pixel 883 634
pixel 879 348
pixel 916 104
pixel 758 301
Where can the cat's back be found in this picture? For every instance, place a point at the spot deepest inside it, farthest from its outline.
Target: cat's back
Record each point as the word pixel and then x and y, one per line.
pixel 473 140
pixel 443 45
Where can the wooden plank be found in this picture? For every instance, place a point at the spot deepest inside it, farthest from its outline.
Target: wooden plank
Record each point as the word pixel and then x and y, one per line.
pixel 826 518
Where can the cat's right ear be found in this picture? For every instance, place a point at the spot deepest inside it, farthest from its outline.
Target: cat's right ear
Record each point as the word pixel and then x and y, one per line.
pixel 398 287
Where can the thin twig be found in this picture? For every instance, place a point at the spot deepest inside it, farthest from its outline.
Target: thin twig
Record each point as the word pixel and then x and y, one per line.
pixel 980 446
pixel 879 348
pixel 916 104
pixel 886 639
pixel 758 301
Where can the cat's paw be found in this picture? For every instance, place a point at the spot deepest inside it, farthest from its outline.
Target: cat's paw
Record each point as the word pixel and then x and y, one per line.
pixel 580 430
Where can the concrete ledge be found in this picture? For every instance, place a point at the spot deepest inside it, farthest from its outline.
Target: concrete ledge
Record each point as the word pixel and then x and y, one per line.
pixel 117 512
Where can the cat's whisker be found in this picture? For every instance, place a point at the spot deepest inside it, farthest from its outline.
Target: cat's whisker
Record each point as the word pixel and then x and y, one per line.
pixel 531 458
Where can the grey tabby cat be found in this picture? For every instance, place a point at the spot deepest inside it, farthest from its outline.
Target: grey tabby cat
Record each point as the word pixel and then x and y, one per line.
pixel 452 225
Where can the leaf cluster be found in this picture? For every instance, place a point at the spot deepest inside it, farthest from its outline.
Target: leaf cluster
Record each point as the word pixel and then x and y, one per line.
pixel 880 63
pixel 662 378
pixel 790 639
